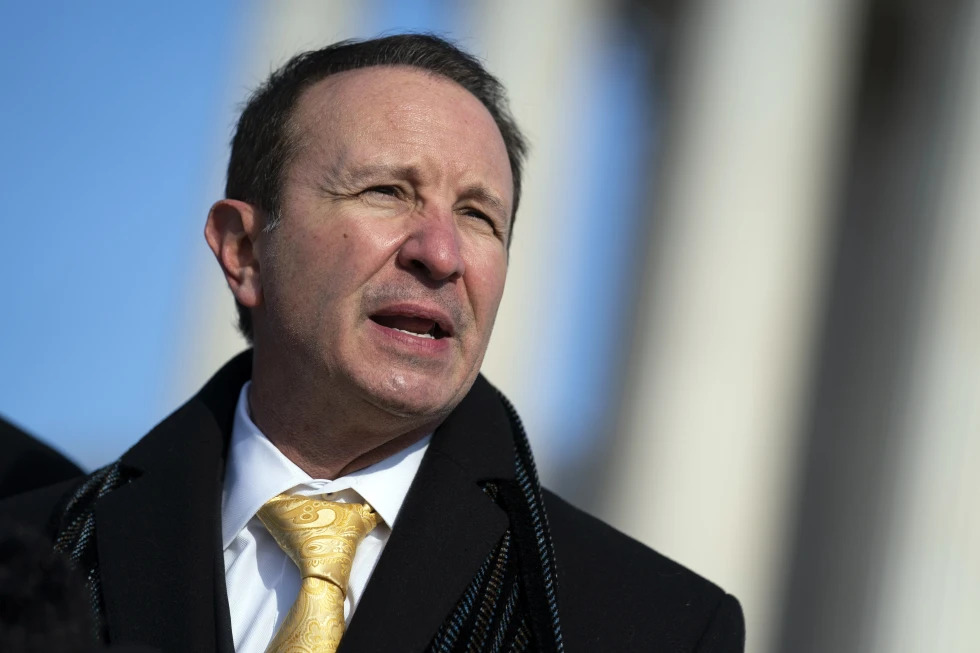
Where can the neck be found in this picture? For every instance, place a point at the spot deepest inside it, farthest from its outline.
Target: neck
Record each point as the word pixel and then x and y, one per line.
pixel 325 434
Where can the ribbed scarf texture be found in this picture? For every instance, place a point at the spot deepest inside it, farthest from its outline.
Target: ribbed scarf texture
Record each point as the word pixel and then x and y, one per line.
pixel 510 605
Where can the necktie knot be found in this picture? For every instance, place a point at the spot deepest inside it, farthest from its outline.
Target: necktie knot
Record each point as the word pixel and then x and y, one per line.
pixel 319 536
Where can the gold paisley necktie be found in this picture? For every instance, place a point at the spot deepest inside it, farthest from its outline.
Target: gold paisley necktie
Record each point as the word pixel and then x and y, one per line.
pixel 320 537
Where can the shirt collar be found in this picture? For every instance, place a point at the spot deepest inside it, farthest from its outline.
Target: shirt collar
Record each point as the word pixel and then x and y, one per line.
pixel 256 471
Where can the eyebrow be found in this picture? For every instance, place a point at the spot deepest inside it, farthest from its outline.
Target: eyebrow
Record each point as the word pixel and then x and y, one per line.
pixel 484 194
pixel 366 171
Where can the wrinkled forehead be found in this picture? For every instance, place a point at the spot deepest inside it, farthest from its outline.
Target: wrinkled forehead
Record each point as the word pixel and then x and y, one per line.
pixel 370 84
pixel 398 107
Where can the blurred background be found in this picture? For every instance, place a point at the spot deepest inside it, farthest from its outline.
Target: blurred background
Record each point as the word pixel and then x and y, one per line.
pixel 742 320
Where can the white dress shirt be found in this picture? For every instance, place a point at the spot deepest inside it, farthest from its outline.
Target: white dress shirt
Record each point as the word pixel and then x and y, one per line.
pixel 262 581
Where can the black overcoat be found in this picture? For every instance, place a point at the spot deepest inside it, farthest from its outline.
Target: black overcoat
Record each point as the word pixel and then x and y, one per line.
pixel 161 564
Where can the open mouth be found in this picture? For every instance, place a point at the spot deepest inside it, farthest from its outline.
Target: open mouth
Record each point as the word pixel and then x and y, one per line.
pixel 419 327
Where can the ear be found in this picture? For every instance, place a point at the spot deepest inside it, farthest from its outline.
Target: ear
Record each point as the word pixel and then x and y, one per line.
pixel 232 231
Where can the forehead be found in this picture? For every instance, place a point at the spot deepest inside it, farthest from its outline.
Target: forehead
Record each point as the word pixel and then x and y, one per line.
pixel 365 93
pixel 399 111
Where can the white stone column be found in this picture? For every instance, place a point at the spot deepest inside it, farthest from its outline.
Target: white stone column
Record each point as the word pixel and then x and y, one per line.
pixel 710 426
pixel 930 592
pixel 544 53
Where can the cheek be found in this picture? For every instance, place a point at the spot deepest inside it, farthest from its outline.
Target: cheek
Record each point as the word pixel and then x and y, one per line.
pixel 301 273
pixel 334 261
pixel 486 284
pixel 325 252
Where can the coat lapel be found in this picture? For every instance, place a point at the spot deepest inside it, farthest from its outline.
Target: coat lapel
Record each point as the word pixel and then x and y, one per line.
pixel 159 535
pixel 159 543
pixel 445 530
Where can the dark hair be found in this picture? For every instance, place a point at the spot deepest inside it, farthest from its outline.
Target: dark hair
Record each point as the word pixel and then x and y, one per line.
pixel 264 143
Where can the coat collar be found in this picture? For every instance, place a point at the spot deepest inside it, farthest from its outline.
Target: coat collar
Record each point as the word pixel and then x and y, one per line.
pixel 447 528
pixel 159 535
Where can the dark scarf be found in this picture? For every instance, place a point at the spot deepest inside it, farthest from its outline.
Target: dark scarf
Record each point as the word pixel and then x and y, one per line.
pixel 510 605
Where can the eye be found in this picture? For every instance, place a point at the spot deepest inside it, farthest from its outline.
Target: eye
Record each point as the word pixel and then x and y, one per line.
pixel 479 215
pixel 388 191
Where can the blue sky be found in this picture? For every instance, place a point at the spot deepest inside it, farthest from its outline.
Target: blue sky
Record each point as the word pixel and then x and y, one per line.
pixel 106 125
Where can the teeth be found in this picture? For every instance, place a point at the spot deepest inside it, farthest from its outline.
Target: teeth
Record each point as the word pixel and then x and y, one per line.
pixel 417 335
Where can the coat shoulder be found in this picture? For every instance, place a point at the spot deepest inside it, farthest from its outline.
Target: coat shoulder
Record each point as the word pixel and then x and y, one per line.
pixel 616 594
pixel 39 509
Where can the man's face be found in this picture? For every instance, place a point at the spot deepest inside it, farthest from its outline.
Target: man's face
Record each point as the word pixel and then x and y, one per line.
pixel 387 268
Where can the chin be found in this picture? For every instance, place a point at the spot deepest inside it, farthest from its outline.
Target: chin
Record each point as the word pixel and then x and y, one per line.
pixel 409 395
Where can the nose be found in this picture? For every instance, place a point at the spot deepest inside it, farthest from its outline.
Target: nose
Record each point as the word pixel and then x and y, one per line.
pixel 433 247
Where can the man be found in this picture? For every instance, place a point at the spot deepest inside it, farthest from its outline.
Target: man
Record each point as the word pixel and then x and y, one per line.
pixel 370 202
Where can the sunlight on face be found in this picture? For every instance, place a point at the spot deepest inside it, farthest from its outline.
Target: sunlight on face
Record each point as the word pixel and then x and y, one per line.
pixel 387 269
